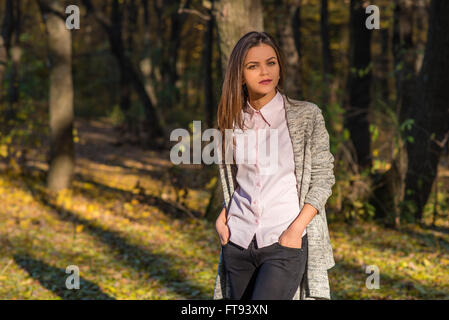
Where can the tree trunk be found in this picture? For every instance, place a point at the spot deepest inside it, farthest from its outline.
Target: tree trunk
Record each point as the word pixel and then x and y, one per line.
pixel 208 43
pixel 296 26
pixel 234 19
pixel 125 81
pixel 61 162
pixel 429 109
pixel 328 66
pixel 404 55
pixel 390 192
pixel 147 67
pixel 359 84
pixel 384 65
pixel 285 15
pixel 5 42
pixel 16 54
pixel 421 11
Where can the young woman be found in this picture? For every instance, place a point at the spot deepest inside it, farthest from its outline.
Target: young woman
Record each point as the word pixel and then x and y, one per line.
pixel 266 220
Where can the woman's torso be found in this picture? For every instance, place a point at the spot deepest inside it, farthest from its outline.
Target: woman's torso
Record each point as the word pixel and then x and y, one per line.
pixel 265 201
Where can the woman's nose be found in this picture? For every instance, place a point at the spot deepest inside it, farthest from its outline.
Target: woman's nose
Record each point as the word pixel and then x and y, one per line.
pixel 263 70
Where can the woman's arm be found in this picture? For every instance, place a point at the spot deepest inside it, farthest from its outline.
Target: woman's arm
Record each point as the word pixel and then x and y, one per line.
pixel 322 175
pixel 322 179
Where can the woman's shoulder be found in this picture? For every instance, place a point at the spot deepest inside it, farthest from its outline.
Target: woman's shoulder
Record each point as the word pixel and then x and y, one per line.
pixel 304 105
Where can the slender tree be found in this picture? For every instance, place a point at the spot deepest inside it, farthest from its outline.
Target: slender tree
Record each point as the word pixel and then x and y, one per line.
pixel 359 83
pixel 285 16
pixel 16 53
pixel 7 28
pixel 326 55
pixel 61 161
pixel 208 45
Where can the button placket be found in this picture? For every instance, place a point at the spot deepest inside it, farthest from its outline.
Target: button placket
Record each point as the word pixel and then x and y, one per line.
pixel 257 164
pixel 258 183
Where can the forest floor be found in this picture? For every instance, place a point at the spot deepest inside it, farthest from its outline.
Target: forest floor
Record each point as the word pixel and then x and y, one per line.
pixel 120 226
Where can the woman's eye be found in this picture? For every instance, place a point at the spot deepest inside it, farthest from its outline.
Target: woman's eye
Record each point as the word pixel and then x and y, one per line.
pixel 270 63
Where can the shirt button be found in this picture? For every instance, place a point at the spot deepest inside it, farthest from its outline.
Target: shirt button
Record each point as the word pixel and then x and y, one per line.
pixel 258 184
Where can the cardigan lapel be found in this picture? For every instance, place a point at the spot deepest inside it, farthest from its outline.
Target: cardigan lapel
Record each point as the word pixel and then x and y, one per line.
pixel 296 128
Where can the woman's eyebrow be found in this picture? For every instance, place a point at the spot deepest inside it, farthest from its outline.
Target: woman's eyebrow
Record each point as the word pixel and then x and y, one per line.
pixel 257 62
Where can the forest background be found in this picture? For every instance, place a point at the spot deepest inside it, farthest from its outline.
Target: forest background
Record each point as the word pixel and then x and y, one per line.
pixel 86 114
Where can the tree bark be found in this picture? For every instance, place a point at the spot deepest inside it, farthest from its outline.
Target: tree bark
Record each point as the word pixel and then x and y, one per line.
pixel 117 13
pixel 384 65
pixel 208 44
pixel 429 109
pixel 61 162
pixel 147 67
pixel 285 17
pixel 5 42
pixel 327 61
pixel 234 19
pixel 404 55
pixel 359 84
pixel 16 54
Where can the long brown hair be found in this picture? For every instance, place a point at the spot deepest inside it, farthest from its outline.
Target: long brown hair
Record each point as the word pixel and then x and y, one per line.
pixel 234 95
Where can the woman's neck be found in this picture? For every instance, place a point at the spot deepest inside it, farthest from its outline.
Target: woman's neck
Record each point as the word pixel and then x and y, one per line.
pixel 258 102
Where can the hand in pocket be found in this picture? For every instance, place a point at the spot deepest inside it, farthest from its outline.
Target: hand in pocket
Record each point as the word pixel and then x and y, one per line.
pixel 223 231
pixel 291 239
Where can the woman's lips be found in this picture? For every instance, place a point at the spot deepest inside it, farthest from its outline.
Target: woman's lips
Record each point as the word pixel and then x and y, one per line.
pixel 265 82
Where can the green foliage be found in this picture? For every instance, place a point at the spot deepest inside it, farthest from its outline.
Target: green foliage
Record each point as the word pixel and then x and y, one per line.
pixel 20 130
pixel 116 115
pixel 374 130
pixel 351 196
pixel 438 205
pixel 360 73
pixel 358 210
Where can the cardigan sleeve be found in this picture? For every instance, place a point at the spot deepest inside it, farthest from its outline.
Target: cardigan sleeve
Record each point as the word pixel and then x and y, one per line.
pixel 322 173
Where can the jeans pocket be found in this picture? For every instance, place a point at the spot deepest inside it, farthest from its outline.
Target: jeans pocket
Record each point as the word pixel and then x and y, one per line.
pixel 289 248
pixel 303 244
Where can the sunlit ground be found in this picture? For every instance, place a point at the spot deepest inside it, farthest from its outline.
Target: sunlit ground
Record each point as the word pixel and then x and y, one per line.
pixel 130 244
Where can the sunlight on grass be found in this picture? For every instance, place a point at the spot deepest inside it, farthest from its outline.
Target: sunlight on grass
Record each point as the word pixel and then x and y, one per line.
pixel 126 247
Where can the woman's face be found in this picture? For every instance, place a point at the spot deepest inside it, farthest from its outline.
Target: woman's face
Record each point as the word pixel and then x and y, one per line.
pixel 260 64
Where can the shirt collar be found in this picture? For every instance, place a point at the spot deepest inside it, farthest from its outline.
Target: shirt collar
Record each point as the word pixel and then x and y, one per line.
pixel 269 110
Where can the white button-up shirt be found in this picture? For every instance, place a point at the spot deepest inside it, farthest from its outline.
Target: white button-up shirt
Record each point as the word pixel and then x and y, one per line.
pixel 265 201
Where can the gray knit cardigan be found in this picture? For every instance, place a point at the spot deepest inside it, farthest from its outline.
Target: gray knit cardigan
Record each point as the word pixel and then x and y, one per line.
pixel 314 165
